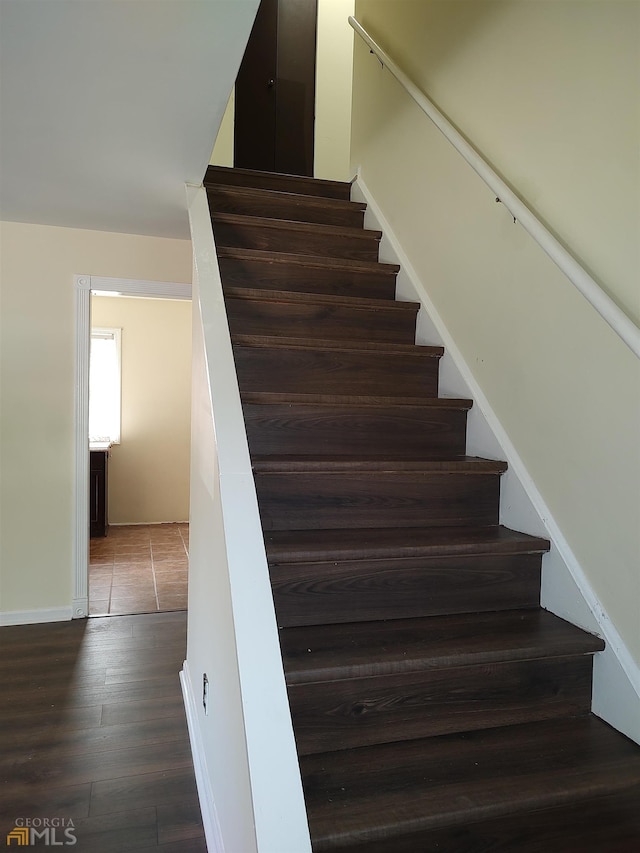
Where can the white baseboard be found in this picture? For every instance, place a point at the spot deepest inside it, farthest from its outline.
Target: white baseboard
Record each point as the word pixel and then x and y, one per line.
pixel 80 608
pixel 566 590
pixel 210 821
pixel 35 617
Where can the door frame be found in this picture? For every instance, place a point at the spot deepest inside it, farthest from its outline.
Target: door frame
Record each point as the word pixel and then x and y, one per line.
pixel 85 285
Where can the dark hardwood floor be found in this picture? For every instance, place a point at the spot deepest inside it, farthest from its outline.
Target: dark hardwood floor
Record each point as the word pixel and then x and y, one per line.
pixel 93 730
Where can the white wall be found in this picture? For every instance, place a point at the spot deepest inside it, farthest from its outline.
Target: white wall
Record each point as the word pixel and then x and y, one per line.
pixel 224 780
pixel 38 263
pixel 246 762
pixel 149 468
pixel 109 108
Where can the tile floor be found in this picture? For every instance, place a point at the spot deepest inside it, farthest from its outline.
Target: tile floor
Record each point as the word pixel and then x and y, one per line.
pixel 139 569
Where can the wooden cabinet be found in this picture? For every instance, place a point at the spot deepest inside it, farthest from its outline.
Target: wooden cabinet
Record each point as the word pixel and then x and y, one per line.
pixel 98 521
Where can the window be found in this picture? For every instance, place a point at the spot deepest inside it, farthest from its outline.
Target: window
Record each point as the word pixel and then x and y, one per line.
pixel 104 385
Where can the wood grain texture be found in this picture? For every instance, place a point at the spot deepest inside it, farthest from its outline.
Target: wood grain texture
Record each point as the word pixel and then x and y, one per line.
pixel 594 825
pixel 331 576
pixel 330 430
pixel 414 678
pixel 344 591
pixel 389 543
pixel 293 464
pixel 368 400
pixel 365 711
pixel 324 370
pixel 319 317
pixel 273 235
pixel 339 345
pixel 373 794
pixel 331 300
pixel 274 181
pixel 249 201
pixel 370 649
pixel 331 500
pixel 305 273
pixel 112 756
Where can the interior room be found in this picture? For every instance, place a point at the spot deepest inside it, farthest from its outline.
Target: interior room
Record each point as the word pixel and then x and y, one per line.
pixel 139 423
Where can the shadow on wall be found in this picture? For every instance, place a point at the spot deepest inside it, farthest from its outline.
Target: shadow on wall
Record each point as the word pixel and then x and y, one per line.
pixel 441 29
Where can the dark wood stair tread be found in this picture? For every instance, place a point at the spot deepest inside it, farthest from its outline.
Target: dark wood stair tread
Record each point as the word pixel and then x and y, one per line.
pixel 294 546
pixel 305 464
pixel 264 295
pixel 258 193
pixel 380 792
pixel 276 398
pixel 601 825
pixel 276 180
pixel 313 228
pixel 363 649
pixel 308 261
pixel 273 342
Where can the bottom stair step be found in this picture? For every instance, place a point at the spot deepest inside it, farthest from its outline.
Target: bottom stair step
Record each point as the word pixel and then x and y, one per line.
pixel 601 825
pixel 370 798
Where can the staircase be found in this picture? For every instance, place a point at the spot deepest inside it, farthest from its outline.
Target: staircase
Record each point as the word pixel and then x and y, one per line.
pixel 435 706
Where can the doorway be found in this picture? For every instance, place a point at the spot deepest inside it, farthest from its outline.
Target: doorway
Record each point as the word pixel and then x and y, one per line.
pixel 84 287
pixel 275 90
pixel 139 407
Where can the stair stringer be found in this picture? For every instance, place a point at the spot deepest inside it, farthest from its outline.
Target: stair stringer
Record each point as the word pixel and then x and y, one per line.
pixel 566 590
pixel 247 769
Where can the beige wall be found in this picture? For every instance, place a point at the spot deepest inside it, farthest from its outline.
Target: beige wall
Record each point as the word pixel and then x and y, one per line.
pixel 37 383
pixel 334 62
pixel 550 93
pixel 149 469
pixel 222 154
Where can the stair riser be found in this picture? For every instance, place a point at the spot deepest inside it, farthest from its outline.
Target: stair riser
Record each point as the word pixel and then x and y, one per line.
pixel 296 208
pixel 283 239
pixel 365 590
pixel 284 276
pixel 334 430
pixel 334 372
pixel 364 711
pixel 278 182
pixel 249 317
pixel 318 501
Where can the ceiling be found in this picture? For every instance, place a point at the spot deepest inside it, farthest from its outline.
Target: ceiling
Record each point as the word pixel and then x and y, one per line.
pixel 108 107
